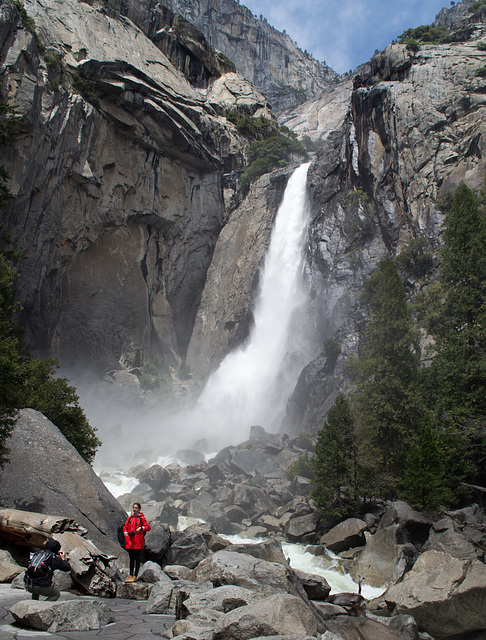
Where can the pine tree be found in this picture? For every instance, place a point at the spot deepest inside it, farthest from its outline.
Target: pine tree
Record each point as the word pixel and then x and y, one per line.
pixel 386 371
pixel 335 461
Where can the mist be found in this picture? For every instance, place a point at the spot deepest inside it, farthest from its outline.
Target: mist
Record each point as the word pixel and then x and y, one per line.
pixel 252 384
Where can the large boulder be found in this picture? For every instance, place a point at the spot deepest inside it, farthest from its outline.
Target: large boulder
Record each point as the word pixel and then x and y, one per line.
pixel 73 615
pixel 346 534
pixel 270 550
pixel 9 568
pixel 350 628
pixel 224 598
pixel 280 614
pixel 445 595
pixel 383 559
pixel 188 548
pixel 227 567
pixel 446 536
pixel 46 474
pixel 413 526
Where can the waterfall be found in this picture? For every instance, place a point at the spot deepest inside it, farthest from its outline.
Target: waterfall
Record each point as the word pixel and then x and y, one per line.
pixel 253 383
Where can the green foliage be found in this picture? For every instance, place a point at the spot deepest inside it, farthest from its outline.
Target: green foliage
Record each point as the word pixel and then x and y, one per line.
pixel 415 260
pixel 424 478
pixel 253 128
pixel 481 46
pixel 299 95
pixel 305 441
pixel 412 45
pixel 28 23
pixel 458 372
pixel 229 63
pixel 479 5
pixel 481 72
pixel 29 382
pixel 335 462
pixel 426 34
pixel 301 467
pixel 267 155
pixel 331 348
pixel 385 373
pixel 82 87
pixel 137 358
pixel 309 144
pixel 154 375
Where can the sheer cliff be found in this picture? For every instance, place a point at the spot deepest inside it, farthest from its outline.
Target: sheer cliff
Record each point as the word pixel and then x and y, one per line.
pixel 120 162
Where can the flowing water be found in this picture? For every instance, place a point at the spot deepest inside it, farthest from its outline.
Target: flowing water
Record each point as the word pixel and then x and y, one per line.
pixel 253 383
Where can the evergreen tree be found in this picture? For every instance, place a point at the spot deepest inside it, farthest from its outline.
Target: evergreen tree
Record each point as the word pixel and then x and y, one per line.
pixel 456 379
pixel 386 371
pixel 335 462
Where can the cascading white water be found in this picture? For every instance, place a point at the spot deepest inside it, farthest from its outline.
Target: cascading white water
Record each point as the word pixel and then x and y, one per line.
pixel 253 383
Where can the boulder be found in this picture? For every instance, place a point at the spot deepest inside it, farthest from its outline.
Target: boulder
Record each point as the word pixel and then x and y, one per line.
pixel 224 599
pixel 446 596
pixel 58 482
pixel 270 550
pixel 155 476
pixel 161 599
pixel 133 590
pixel 253 462
pixel 253 500
pixel 302 528
pixel 176 571
pixel 73 615
pixel 157 542
pixel 241 569
pixel 280 614
pixel 413 526
pixel 315 586
pixel 152 572
pixel 447 537
pixel 360 628
pixel 188 548
pixel 383 559
pixel 9 568
pixel 346 534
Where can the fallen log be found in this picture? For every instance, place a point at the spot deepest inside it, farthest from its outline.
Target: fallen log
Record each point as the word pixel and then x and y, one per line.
pixel 29 529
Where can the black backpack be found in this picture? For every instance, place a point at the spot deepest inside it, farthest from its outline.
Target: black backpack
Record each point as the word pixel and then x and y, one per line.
pixel 38 566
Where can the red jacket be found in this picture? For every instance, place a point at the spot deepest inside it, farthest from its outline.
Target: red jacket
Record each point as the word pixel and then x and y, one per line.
pixel 134 522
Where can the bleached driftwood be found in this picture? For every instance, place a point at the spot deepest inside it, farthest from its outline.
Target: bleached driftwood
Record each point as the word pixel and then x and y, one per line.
pixel 30 529
pixel 90 567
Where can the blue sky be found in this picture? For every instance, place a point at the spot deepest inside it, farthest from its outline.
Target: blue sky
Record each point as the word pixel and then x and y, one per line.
pixel 345 33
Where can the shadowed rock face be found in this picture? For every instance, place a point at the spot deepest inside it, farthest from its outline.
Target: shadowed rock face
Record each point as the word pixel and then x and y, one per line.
pixel 46 474
pixel 117 187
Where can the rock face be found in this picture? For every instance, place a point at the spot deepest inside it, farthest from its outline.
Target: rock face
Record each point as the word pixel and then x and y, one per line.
pixel 265 56
pixel 125 159
pixel 414 130
pixel 445 595
pixel 47 475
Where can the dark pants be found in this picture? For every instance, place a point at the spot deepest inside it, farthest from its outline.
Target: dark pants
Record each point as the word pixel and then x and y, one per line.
pixel 51 592
pixel 134 555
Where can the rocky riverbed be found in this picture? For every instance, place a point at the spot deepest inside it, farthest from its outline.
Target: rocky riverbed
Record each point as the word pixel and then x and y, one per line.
pixel 429 573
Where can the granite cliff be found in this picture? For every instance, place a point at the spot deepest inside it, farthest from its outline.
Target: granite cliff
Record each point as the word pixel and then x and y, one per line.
pixel 121 164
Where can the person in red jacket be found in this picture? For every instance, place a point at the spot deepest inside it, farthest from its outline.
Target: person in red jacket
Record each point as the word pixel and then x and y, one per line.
pixel 135 529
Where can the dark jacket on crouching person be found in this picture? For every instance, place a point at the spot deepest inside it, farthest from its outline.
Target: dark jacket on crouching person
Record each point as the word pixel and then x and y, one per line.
pixel 45 585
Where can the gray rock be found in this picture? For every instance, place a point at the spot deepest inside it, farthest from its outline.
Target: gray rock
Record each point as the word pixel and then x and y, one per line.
pixel 383 558
pixel 346 534
pixel 224 599
pixel 270 550
pixel 281 614
pixel 73 615
pixel 188 548
pixel 58 482
pixel 155 476
pixel 134 590
pixel 445 595
pixel 315 586
pixel 152 572
pixel 161 598
pixel 351 628
pixel 9 568
pixel 413 526
pixel 302 528
pixel 227 567
pixel 157 542
pixel 176 571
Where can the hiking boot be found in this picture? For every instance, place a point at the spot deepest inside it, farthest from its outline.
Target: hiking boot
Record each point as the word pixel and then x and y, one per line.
pixel 131 579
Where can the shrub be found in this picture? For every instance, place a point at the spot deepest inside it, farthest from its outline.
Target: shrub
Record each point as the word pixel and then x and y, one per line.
pixel 301 467
pixel 415 260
